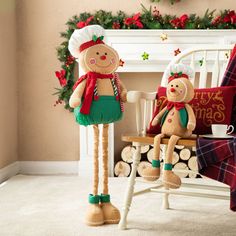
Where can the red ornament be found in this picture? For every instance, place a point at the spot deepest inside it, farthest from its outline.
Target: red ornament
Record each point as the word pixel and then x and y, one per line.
pixel 216 21
pixel 116 25
pixel 177 51
pixel 135 20
pixel 61 77
pixel 121 63
pixel 82 24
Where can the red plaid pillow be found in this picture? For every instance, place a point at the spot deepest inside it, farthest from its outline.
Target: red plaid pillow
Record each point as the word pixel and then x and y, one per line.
pixel 210 105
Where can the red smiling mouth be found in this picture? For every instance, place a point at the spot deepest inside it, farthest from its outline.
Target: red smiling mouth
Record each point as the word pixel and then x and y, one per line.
pixel 103 66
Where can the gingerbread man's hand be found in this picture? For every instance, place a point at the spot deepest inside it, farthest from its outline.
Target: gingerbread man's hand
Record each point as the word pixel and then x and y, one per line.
pixel 191 126
pixel 74 102
pixel 155 121
pixel 123 96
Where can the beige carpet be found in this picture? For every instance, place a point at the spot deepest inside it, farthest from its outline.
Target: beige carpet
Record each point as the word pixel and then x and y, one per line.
pixel 55 206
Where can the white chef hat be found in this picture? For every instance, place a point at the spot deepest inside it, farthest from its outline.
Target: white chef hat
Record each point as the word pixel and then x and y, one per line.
pixel 85 38
pixel 179 70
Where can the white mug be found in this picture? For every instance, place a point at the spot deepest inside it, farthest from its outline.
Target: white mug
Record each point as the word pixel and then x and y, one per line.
pixel 221 130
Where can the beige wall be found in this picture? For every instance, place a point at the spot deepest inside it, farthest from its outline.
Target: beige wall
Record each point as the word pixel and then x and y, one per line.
pixel 48 133
pixel 8 87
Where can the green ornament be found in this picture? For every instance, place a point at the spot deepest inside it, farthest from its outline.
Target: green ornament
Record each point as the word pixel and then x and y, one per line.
pixel 145 56
pixel 201 62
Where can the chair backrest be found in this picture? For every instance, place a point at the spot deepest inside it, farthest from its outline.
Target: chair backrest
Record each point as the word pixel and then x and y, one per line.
pixel 209 62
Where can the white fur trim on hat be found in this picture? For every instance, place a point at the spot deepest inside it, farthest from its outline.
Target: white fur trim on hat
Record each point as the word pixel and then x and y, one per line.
pixel 176 68
pixel 83 35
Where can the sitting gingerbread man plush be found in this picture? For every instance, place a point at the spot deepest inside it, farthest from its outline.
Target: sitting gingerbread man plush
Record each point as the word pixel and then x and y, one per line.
pixel 97 99
pixel 177 121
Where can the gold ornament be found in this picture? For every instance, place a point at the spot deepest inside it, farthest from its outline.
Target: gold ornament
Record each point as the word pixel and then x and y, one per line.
pixel 163 37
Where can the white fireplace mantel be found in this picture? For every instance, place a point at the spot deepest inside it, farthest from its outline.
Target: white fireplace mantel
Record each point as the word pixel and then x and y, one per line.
pixel 131 44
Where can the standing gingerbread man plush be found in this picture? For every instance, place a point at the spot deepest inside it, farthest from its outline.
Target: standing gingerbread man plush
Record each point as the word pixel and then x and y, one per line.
pixel 97 99
pixel 177 121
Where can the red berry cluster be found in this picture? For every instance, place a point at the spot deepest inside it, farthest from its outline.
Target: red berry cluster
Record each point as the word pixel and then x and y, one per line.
pixel 116 25
pixel 57 102
pixel 69 60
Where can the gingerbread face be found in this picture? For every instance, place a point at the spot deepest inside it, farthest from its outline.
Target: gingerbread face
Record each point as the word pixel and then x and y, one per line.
pixel 180 90
pixel 100 58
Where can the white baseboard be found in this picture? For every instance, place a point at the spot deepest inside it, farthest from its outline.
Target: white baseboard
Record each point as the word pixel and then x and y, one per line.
pixel 39 168
pixel 9 171
pixel 48 167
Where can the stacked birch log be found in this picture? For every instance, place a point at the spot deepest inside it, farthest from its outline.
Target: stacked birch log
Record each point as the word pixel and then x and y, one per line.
pixel 184 158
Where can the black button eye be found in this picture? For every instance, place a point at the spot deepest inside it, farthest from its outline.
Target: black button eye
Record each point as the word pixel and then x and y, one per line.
pixel 105 53
pixel 172 85
pixel 176 86
pixel 97 53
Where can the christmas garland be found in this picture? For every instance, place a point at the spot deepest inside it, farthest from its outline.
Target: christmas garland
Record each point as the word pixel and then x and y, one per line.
pixel 147 19
pixel 171 1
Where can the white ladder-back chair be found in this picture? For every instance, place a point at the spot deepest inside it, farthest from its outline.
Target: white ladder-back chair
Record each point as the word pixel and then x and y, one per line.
pixel 214 60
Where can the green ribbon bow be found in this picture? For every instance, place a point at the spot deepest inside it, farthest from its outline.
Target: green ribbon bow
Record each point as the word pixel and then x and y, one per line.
pixel 95 38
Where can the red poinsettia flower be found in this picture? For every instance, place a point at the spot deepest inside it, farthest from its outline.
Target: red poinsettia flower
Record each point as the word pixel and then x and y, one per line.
pixel 116 25
pixel 61 77
pixel 180 22
pixel 231 13
pixel 227 19
pixel 176 23
pixel 135 20
pixel 82 24
pixel 233 19
pixel 230 17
